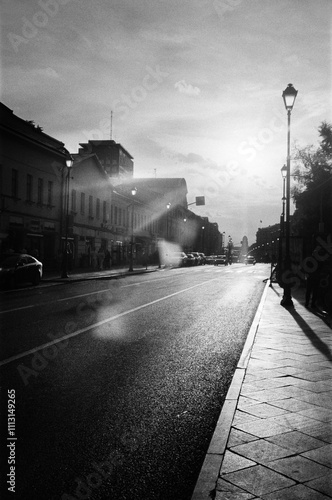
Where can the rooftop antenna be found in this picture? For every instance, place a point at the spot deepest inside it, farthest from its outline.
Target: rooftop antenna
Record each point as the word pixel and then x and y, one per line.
pixel 111 131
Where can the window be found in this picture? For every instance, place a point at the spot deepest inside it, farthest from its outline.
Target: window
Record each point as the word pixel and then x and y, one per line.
pixel 98 208
pixel 104 211
pixel 50 193
pixel 112 214
pixel 82 203
pixel 73 200
pixel 90 206
pixel 116 216
pixel 40 193
pixel 14 183
pixel 29 187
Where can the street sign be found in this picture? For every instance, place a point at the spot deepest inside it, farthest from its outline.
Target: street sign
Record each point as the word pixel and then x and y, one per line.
pixel 200 200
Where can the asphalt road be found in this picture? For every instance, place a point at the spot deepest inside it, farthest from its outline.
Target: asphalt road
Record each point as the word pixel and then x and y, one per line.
pixel 119 383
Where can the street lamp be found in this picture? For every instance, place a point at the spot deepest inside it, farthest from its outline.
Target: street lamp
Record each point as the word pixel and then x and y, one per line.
pixel 168 206
pixel 284 175
pixel 203 227
pixel 69 164
pixel 289 96
pixel 282 222
pixel 133 192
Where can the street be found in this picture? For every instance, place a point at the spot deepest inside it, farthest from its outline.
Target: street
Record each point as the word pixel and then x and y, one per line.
pixel 119 383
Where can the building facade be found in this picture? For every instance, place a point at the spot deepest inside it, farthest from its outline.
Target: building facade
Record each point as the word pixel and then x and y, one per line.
pixel 31 178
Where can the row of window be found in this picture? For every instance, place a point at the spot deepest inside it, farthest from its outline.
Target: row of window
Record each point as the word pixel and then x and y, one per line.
pixel 45 191
pixel 91 212
pixel 118 216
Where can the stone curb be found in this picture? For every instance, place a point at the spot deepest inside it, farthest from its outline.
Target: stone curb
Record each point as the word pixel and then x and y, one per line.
pixel 207 479
pixel 87 277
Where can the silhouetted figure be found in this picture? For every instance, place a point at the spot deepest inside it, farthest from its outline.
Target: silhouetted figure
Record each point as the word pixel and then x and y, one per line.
pixel 312 287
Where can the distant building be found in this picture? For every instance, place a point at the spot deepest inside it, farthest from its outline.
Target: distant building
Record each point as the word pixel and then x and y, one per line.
pixel 90 200
pixel 267 243
pixel 115 159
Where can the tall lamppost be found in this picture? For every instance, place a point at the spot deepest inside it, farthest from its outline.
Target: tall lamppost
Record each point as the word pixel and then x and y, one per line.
pixel 203 228
pixel 69 164
pixel 185 234
pixel 133 192
pixel 284 175
pixel 289 96
pixel 168 206
pixel 282 221
pixel 229 252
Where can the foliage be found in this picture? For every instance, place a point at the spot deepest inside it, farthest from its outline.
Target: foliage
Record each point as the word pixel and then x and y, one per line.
pixel 313 191
pixel 32 123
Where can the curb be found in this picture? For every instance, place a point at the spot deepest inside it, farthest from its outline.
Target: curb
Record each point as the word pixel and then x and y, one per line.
pixel 114 275
pixel 208 476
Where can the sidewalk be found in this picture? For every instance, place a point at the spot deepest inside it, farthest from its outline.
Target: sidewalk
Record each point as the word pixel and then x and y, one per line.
pixel 88 274
pixel 273 439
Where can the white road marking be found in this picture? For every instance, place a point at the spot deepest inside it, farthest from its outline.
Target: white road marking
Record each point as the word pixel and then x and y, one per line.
pixel 17 309
pixel 99 323
pixel 77 296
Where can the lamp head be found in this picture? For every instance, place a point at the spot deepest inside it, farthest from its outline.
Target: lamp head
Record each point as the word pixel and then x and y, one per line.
pixel 134 191
pixel 284 171
pixel 289 96
pixel 69 161
pixel 168 205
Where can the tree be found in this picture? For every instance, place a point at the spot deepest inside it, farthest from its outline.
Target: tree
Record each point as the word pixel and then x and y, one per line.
pixel 313 193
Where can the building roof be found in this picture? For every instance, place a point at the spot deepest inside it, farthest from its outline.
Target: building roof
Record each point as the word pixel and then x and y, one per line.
pixel 162 184
pixel 28 130
pixel 110 143
pixel 79 159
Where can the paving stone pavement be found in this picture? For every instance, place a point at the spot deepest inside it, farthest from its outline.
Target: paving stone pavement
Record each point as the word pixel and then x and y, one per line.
pixel 273 439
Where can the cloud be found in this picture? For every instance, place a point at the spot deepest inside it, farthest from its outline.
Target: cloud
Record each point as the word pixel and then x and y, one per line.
pixel 186 88
pixel 47 73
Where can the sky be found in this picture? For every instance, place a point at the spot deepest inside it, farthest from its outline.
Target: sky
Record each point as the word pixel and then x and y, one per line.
pixel 194 88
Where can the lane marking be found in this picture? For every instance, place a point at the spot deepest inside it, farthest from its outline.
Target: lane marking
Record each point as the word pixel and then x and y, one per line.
pixel 17 309
pixel 99 323
pixel 77 296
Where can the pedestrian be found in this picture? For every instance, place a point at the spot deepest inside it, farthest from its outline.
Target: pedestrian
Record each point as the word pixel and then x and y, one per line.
pixel 107 260
pixel 312 287
pixel 94 259
pixel 101 257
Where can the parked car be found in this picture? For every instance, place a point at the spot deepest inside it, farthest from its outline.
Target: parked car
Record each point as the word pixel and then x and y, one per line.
pixel 221 259
pixel 19 268
pixel 250 259
pixel 177 259
pixel 203 258
pixel 198 258
pixel 210 259
pixel 191 260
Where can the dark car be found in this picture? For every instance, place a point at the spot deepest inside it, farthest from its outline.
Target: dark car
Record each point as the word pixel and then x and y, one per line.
pixel 177 259
pixel 209 259
pixel 19 268
pixel 221 259
pixel 250 260
pixel 191 260
pixel 203 258
pixel 198 258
